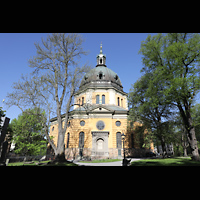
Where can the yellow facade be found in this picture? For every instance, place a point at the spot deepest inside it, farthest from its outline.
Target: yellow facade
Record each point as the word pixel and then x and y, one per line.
pixel 74 129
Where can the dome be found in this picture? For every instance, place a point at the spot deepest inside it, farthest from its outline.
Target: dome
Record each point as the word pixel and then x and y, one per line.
pixel 101 77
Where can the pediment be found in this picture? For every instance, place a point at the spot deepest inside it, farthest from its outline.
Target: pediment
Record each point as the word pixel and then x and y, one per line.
pixel 101 108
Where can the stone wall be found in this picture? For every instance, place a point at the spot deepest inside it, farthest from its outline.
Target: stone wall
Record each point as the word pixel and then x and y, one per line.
pixel 74 153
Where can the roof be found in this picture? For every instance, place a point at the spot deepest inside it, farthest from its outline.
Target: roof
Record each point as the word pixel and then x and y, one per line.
pixel 103 108
pixel 99 108
pixel 101 77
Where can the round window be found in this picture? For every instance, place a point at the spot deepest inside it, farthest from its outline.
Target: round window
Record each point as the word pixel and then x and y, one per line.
pixel 82 123
pixel 100 125
pixel 118 123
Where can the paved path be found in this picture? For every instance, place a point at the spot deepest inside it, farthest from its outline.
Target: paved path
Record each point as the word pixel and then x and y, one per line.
pixel 117 163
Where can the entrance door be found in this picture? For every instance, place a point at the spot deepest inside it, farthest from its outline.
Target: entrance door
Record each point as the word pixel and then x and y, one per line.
pixel 100 143
pixel 100 147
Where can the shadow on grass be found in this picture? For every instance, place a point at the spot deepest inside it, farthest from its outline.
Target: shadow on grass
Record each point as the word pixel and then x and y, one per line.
pixel 166 162
pixel 45 163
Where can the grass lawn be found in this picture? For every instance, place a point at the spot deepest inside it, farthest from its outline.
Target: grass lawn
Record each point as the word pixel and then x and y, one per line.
pixel 179 161
pixel 100 161
pixel 34 164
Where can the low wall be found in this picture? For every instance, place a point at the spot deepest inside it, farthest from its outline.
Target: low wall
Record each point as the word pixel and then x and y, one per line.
pixel 74 153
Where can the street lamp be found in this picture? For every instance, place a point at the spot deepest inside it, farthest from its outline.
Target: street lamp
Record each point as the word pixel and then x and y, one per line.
pixel 124 159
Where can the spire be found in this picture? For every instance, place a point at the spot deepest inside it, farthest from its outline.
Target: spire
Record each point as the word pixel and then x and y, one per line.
pixel 101 48
pixel 101 58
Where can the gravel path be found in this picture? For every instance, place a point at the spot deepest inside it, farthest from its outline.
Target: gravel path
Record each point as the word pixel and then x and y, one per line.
pixel 117 163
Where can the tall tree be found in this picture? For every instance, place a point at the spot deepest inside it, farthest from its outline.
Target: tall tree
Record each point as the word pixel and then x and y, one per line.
pixel 54 81
pixel 174 58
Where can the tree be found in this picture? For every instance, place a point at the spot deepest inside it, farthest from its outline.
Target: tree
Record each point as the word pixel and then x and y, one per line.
pixel 174 58
pixel 53 83
pixel 28 133
pixel 196 117
pixel 2 114
pixel 148 106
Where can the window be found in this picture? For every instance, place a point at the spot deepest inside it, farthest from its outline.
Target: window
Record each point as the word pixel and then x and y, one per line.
pixel 68 135
pixel 118 101
pixel 116 77
pixel 100 60
pixel 97 99
pixel 52 129
pixel 81 139
pixel 100 75
pixel 118 123
pixel 103 99
pixel 100 125
pixel 119 140
pixel 82 100
pixel 82 123
pixel 121 102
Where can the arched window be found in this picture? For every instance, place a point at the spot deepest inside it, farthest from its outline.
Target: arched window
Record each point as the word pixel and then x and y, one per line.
pixel 103 99
pixel 68 135
pixel 121 102
pixel 81 139
pixel 97 99
pixel 82 100
pixel 119 140
pixel 118 101
pixel 100 75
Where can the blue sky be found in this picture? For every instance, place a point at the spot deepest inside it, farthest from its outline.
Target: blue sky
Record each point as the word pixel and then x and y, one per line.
pixel 121 51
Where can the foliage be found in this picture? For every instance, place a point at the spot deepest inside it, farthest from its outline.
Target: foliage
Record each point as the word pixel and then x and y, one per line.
pixel 147 105
pixel 28 134
pixel 172 60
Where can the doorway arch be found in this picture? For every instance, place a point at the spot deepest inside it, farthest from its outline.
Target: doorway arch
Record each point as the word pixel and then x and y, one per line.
pixel 100 145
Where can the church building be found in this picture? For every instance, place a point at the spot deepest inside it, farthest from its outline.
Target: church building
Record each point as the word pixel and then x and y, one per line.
pixel 99 117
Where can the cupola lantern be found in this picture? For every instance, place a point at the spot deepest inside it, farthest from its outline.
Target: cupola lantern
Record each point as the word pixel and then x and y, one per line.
pixel 101 58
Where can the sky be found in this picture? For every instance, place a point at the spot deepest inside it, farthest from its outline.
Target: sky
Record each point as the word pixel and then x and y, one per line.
pixel 121 51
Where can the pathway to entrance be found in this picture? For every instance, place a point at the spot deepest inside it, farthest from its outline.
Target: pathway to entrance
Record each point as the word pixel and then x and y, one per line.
pixel 118 163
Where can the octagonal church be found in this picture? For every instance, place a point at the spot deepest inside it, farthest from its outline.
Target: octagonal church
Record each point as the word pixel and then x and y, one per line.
pixel 99 116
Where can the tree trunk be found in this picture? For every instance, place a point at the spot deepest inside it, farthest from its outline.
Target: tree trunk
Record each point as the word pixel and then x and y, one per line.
pixel 193 144
pixel 161 138
pixel 163 148
pixel 60 151
pixel 184 142
pixel 185 151
pixel 187 119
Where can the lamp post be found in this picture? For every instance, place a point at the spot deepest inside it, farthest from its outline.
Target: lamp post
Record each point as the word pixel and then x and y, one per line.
pixel 124 163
